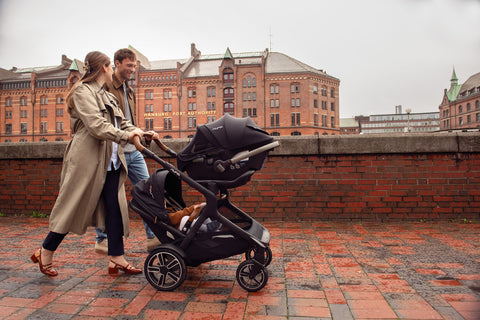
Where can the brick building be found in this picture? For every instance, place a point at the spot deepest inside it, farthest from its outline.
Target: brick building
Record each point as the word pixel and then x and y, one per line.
pixel 460 106
pixel 282 95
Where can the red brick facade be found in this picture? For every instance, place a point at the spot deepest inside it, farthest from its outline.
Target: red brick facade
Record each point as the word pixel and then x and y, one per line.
pixel 369 186
pixel 282 95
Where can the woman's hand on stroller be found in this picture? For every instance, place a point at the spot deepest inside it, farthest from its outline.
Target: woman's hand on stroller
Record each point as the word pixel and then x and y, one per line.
pixel 135 133
pixel 151 135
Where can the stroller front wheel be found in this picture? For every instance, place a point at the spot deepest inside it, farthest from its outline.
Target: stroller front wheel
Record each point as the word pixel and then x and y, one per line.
pixel 252 276
pixel 165 269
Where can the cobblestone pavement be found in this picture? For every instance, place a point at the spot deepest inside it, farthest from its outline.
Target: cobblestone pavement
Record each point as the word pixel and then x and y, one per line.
pixel 320 270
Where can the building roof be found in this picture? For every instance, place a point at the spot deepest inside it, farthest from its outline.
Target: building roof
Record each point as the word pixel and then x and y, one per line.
pixel 471 83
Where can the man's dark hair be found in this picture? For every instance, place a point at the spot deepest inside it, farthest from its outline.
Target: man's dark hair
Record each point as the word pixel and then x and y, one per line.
pixel 122 54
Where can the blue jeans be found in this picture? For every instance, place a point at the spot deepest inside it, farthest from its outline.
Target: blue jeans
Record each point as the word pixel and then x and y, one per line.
pixel 137 170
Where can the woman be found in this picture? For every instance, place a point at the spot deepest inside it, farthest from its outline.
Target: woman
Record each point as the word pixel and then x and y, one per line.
pixel 92 191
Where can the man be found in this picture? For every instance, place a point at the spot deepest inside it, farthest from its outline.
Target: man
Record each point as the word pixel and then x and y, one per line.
pixel 125 63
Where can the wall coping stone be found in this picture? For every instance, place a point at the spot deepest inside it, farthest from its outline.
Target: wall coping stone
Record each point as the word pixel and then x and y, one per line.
pixel 445 142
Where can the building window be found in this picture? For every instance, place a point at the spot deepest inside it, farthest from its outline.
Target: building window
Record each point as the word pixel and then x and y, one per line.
pixel 43 127
pixel 167 94
pixel 8 102
pixel 477 105
pixel 23 101
pixel 59 112
pixel 23 128
pixel 149 108
pixel 192 106
pixel 295 88
pixel 460 121
pixel 250 112
pixel 274 119
pixel 192 122
pixel 228 93
pixel 249 82
pixel 149 124
pixel 332 106
pixel 274 88
pixel 332 92
pixel 211 119
pixel 460 109
pixel 192 93
pixel 43 100
pixel 167 123
pixel 228 107
pixel 211 92
pixel 8 128
pixel 468 107
pixel 167 107
pixel 149 95
pixel 477 117
pixel 59 127
pixel 59 100
pixel 43 113
pixel 332 122
pixel 324 91
pixel 315 103
pixel 211 106
pixel 315 89
pixel 228 76
pixel 295 119
pixel 23 113
pixel 469 119
pixel 315 119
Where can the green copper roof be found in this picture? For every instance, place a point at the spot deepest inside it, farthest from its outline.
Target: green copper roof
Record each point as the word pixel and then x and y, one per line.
pixel 74 66
pixel 454 76
pixel 228 54
pixel 452 93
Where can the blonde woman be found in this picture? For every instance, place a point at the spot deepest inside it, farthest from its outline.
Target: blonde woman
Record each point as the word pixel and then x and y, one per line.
pixel 92 191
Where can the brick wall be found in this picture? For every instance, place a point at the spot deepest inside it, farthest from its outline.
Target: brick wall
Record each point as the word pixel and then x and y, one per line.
pixel 378 177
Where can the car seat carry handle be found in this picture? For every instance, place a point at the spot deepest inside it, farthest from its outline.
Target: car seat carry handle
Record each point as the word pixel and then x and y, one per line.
pixel 138 145
pixel 221 165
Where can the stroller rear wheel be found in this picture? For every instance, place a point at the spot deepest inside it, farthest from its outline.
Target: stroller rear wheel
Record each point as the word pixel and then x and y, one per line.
pixel 268 255
pixel 246 277
pixel 165 269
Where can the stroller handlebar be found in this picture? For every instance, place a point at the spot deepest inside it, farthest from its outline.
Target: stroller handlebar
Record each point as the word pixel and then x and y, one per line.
pixel 140 147
pixel 220 165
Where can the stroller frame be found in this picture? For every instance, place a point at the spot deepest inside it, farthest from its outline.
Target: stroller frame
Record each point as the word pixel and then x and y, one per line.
pixel 165 266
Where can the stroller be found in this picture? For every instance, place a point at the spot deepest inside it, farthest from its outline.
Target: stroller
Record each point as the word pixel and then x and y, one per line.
pixel 222 155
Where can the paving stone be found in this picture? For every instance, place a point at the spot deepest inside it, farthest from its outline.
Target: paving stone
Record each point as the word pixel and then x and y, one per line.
pixel 320 270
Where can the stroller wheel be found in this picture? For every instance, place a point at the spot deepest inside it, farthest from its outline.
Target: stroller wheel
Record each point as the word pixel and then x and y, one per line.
pixel 165 269
pixel 246 277
pixel 268 255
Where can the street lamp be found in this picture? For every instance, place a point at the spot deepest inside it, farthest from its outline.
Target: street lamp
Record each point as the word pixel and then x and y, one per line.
pixel 408 118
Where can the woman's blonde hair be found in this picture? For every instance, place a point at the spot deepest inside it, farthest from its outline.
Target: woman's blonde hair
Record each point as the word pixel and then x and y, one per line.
pixel 94 61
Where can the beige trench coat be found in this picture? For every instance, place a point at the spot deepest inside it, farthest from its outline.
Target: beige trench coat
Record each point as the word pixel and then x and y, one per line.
pixel 86 159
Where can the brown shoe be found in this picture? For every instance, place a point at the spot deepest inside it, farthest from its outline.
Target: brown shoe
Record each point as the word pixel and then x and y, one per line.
pixel 47 269
pixel 113 268
pixel 101 247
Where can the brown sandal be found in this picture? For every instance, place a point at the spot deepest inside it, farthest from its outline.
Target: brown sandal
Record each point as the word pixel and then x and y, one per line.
pixel 47 269
pixel 128 269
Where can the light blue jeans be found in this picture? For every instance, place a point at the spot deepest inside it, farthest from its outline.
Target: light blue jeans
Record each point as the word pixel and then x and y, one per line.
pixel 137 170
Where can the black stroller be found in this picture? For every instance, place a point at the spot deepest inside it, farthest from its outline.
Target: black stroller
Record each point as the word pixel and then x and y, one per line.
pixel 222 155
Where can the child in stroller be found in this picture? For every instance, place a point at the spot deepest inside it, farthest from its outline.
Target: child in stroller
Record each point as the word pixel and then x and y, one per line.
pixel 222 155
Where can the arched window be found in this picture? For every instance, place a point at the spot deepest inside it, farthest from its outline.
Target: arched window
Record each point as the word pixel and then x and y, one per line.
pixel 228 107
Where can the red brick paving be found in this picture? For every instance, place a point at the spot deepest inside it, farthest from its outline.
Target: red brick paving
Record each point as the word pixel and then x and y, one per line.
pixel 320 270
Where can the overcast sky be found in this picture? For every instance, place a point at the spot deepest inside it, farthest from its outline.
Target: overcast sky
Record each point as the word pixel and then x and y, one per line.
pixel 385 52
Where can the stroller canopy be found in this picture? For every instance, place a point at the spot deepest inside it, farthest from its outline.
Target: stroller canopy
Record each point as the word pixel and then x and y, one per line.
pixel 221 139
